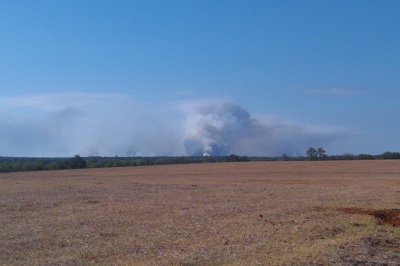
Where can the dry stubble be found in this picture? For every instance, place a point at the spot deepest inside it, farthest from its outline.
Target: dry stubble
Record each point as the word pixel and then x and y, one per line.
pixel 253 213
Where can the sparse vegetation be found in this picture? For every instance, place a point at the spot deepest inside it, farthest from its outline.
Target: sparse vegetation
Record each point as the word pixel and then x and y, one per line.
pixel 246 213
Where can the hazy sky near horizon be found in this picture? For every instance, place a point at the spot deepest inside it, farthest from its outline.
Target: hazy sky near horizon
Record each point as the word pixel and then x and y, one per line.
pixel 191 77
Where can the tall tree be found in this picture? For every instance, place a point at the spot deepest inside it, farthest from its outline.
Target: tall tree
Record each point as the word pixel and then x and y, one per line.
pixel 76 162
pixel 321 153
pixel 312 153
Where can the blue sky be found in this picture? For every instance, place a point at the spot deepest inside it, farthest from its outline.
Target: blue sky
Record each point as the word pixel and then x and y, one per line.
pixel 193 77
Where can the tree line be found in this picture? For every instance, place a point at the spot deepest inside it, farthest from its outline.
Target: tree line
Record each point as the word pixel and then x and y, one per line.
pixel 13 164
pixel 319 154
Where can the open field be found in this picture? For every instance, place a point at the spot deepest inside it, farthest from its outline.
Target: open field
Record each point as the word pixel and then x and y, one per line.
pixel 251 213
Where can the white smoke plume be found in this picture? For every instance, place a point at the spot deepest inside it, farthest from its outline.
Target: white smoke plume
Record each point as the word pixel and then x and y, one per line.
pixel 86 124
pixel 223 128
pixel 114 124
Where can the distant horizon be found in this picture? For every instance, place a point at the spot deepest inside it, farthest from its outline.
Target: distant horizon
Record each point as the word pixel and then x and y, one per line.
pixel 222 155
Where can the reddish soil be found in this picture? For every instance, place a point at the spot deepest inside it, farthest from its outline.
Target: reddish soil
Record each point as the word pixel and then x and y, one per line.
pixel 387 216
pixel 245 213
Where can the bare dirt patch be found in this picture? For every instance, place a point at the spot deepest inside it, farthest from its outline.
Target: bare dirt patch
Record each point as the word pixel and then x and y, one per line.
pixel 387 216
pixel 251 213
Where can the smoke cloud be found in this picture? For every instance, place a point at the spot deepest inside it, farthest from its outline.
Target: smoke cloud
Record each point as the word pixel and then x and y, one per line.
pixel 86 124
pixel 222 128
pixel 113 124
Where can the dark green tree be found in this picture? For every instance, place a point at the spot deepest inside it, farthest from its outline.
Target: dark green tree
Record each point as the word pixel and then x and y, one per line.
pixel 365 157
pixel 76 162
pixel 389 155
pixel 321 154
pixel 312 154
pixel 236 158
pixel 284 157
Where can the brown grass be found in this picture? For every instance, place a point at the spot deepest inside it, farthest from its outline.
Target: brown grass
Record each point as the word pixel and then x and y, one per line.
pixel 252 213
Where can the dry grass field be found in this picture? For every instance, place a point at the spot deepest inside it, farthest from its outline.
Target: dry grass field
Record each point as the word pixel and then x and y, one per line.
pixel 251 213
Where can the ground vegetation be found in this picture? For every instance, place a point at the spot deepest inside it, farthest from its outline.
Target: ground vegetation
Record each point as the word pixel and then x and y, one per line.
pixel 241 213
